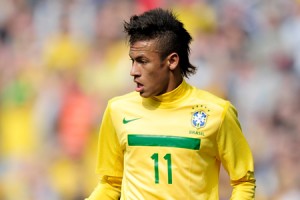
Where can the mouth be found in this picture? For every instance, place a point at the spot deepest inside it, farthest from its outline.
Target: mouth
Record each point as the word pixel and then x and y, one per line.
pixel 139 87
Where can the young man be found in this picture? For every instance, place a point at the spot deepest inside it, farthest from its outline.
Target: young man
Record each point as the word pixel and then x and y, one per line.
pixel 168 139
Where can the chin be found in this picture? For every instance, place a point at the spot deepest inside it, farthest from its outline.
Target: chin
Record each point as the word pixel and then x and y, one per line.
pixel 145 95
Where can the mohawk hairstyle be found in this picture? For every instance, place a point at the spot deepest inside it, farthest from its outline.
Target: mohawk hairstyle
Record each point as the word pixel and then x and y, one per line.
pixel 169 33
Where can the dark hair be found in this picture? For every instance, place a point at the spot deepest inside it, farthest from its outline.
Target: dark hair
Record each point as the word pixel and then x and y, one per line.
pixel 163 26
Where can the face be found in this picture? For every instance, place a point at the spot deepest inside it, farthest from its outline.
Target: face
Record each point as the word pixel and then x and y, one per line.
pixel 150 73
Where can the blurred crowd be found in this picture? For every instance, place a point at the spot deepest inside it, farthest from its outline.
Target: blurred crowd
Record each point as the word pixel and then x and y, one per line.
pixel 61 60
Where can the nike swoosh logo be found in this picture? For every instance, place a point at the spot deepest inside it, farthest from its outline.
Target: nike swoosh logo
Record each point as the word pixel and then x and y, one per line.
pixel 125 121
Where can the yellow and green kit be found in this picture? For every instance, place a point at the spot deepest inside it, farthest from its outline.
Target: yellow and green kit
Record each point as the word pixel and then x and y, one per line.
pixel 171 147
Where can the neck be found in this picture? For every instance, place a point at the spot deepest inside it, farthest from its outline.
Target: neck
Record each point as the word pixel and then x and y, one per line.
pixel 171 98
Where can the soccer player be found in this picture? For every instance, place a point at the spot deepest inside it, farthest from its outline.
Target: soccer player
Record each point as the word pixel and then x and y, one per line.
pixel 167 139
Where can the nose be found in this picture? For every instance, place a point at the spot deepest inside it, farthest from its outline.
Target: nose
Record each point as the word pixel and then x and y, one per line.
pixel 134 69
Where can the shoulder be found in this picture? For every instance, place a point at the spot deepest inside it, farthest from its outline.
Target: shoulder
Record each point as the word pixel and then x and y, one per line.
pixel 210 98
pixel 124 100
pixel 214 103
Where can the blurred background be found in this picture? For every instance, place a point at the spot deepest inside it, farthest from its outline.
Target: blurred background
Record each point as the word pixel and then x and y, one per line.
pixel 61 60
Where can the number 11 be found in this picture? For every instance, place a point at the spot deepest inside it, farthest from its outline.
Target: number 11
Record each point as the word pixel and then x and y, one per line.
pixel 167 157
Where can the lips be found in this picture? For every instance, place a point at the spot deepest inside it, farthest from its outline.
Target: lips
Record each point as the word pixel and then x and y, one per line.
pixel 139 86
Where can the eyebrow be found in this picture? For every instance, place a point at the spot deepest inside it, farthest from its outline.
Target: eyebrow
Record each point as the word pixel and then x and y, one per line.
pixel 154 51
pixel 139 57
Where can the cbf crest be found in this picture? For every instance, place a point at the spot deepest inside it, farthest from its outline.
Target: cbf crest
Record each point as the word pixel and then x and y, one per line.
pixel 199 116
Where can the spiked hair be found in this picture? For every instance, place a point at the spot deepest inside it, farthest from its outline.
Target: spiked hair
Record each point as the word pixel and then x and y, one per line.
pixel 169 33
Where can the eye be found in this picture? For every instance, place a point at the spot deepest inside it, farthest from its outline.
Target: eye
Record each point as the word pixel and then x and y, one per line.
pixel 139 60
pixel 142 61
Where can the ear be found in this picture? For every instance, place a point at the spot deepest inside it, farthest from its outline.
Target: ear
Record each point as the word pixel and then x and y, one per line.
pixel 173 61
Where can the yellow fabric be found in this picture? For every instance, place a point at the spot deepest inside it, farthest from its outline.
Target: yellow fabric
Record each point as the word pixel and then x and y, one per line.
pixel 108 189
pixel 166 169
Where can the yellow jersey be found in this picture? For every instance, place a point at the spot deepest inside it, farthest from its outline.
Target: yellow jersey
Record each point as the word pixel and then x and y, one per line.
pixel 171 147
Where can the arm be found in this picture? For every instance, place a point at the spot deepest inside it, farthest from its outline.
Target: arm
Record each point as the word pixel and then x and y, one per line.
pixel 236 156
pixel 110 161
pixel 108 189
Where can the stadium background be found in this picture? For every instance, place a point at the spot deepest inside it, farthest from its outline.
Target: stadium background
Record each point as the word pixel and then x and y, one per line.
pixel 60 60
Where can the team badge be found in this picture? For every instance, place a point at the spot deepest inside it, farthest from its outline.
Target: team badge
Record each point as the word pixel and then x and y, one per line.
pixel 199 117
